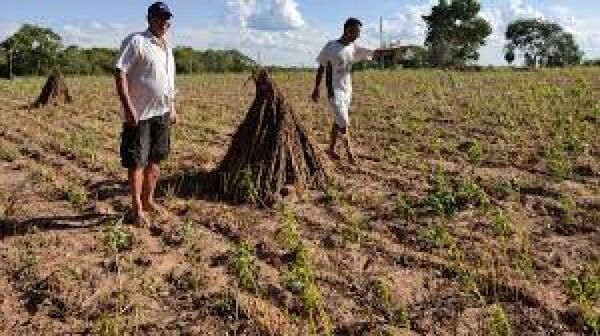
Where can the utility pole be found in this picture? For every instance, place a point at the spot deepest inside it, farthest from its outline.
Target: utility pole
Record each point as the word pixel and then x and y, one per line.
pixel 381 32
pixel 381 42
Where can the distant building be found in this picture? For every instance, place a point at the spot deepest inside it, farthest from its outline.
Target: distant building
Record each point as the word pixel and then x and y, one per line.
pixel 394 54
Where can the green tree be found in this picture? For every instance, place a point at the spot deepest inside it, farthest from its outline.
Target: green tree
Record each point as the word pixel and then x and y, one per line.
pixel 73 61
pixel 455 32
pixel 509 56
pixel 542 43
pixel 186 60
pixel 94 61
pixel 102 60
pixel 34 49
pixel 415 57
pixel 3 63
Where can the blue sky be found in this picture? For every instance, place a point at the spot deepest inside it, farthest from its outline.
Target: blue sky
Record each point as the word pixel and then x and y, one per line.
pixel 284 31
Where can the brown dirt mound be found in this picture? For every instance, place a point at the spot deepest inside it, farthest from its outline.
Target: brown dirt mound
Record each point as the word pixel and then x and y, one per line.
pixel 270 149
pixel 55 91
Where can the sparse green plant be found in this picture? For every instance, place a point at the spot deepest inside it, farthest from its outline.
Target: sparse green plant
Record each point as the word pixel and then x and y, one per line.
pixel 499 324
pixel 40 175
pixel 442 199
pixel 376 89
pixel 594 114
pixel 475 152
pixel 506 188
pixel 438 236
pixel 568 208
pixel 524 263
pixel 9 207
pixel 33 286
pixel 190 280
pixel 351 230
pixel 350 234
pixel 403 209
pixel 313 304
pixel 188 230
pixel 9 152
pixel 171 190
pixel 401 317
pixel 559 164
pixel 333 193
pixel 470 192
pixel 435 146
pixel 300 279
pixel 573 143
pixel 226 304
pixel 501 224
pixel 245 267
pixel 381 292
pixel 463 273
pixel 116 237
pixel 288 233
pixel 77 195
pixel 109 325
pixel 28 262
pixel 590 320
pixel 300 273
pixel 584 287
pixel 248 187
pixel 85 143
pixel 193 248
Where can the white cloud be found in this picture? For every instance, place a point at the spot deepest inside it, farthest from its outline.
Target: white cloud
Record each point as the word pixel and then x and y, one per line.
pixel 298 47
pixel 267 15
pixel 406 26
pixel 275 30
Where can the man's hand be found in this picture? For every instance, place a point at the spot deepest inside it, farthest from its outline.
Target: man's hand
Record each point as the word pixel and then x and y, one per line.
pixel 131 116
pixel 316 95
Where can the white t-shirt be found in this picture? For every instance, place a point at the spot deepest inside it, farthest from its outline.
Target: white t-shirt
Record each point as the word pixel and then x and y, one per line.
pixel 150 71
pixel 337 59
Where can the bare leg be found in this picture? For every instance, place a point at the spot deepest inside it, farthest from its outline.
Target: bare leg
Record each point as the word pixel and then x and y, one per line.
pixel 334 135
pixel 136 179
pixel 150 180
pixel 348 144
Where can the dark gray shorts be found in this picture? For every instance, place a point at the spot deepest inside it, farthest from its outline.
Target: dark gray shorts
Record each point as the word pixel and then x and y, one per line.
pixel 149 141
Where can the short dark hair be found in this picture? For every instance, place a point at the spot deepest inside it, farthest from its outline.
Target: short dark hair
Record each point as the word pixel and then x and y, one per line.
pixel 351 22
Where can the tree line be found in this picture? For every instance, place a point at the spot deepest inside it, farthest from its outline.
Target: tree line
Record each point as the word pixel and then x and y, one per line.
pixel 35 50
pixel 455 33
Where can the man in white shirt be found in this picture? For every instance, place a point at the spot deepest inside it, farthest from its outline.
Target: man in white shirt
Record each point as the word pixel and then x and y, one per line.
pixel 335 61
pixel 145 80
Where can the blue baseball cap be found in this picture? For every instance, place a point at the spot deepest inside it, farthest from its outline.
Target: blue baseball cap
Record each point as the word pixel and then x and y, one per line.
pixel 159 7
